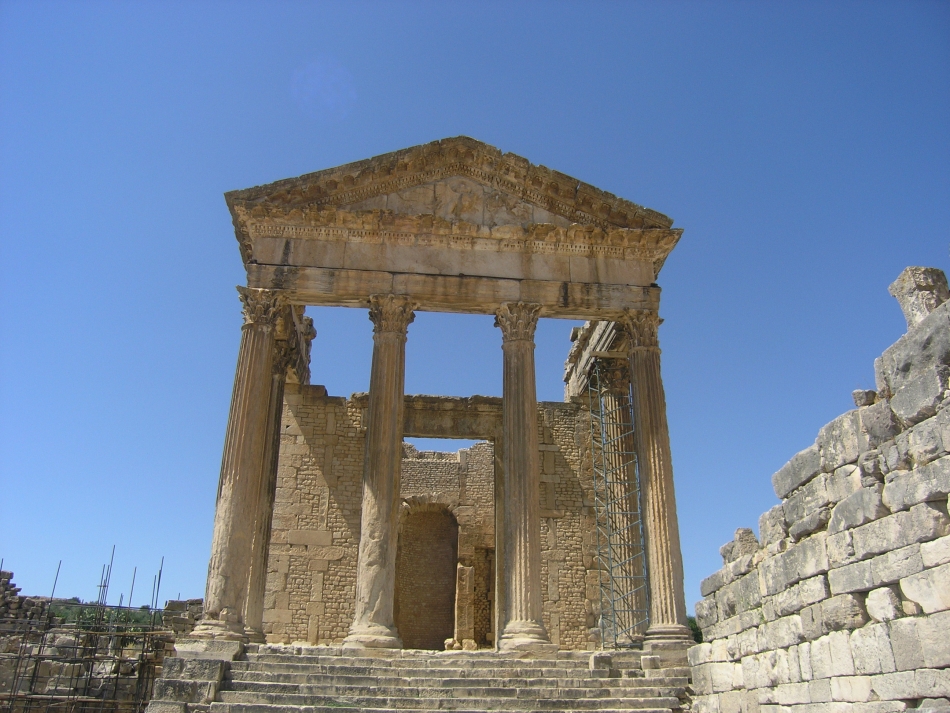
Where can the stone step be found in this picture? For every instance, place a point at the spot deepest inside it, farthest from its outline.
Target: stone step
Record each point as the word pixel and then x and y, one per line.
pixel 342 708
pixel 574 681
pixel 454 704
pixel 277 683
pixel 423 672
pixel 487 660
pixel 364 670
pixel 252 695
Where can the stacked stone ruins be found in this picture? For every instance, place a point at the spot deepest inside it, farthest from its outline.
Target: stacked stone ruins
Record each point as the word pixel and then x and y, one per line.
pixel 843 601
pixel 328 529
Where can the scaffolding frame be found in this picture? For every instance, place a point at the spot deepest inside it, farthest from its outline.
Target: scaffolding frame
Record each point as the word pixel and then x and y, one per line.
pixel 621 559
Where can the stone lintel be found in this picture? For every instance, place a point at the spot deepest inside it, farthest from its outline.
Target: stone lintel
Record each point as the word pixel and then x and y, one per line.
pixel 460 294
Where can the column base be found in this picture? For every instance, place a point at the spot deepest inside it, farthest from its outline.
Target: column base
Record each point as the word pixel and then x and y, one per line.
pixel 529 636
pixel 372 637
pixel 674 633
pixel 219 629
pixel 254 636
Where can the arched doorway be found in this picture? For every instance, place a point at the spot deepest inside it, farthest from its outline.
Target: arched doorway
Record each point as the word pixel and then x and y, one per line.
pixel 426 560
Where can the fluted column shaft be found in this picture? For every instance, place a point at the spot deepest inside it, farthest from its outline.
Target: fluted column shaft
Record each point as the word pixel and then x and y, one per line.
pixel 523 626
pixel 661 528
pixel 254 607
pixel 373 624
pixel 242 466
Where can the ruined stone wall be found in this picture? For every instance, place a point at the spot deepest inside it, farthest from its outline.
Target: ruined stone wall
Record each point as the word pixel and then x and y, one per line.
pixel 315 532
pixel 311 569
pixel 15 606
pixel 843 602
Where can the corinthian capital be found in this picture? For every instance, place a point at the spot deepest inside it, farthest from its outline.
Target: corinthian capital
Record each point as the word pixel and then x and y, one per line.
pixel 517 320
pixel 642 326
pixel 390 313
pixel 262 307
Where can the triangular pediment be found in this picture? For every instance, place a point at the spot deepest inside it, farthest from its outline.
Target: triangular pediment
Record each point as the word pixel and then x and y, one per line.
pixel 456 180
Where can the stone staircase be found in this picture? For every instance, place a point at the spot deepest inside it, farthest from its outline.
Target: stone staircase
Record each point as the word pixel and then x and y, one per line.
pixel 288 679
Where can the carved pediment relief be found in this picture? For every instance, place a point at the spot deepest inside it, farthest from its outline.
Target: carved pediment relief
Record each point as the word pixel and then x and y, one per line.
pixel 456 179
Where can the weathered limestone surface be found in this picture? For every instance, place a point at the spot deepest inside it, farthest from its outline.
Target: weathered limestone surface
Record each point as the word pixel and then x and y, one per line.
pixel 665 560
pixel 457 226
pixel 844 603
pixel 373 624
pixel 311 574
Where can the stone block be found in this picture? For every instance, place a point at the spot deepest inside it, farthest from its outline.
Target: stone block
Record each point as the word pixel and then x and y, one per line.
pixel 711 584
pixel 840 548
pixel 773 577
pixel 843 612
pixel 812 496
pixel 857 509
pixel 919 291
pixel 807 558
pixel 878 424
pixel 842 663
pixel 883 604
pixel 921 641
pixel 802 467
pixel 854 689
pixel 930 482
pixel 928 440
pixel 871 649
pixel 919 524
pixel 743 543
pixel 811 523
pixel 194 669
pixel 208 649
pixel 892 566
pixel 772 526
pixel 707 612
pixel 894 686
pixel 201 692
pixel 932 683
pixel 936 552
pixel 813 626
pixel 740 596
pixel 781 633
pixel 924 349
pixel 317 538
pixel 930 588
pixel 919 398
pixel 698 654
pixel 820 691
pixel 838 441
pixel 789 694
pixel 851 578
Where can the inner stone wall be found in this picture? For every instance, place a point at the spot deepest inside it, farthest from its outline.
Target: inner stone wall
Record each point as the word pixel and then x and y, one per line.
pixel 311 574
pixel 843 601
pixel 426 560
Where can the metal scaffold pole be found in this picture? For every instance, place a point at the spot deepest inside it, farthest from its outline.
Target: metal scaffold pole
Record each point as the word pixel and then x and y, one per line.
pixel 624 589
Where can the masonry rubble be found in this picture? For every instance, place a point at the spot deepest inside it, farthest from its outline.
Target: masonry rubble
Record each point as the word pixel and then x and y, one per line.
pixel 842 603
pixel 16 607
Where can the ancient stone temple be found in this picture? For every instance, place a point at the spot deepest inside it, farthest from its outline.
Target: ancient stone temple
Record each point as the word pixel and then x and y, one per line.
pixel 330 530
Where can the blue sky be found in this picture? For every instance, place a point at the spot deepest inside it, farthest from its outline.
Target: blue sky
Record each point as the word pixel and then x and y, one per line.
pixel 804 148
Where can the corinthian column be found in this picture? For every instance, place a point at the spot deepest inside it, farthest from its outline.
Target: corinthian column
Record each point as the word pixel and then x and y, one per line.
pixel 373 624
pixel 652 434
pixel 242 466
pixel 522 623
pixel 257 581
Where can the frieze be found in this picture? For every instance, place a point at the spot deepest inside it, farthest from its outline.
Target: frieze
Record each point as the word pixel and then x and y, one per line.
pixel 378 227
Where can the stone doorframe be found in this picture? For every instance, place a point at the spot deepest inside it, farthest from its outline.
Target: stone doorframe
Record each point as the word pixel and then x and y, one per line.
pixel 477 418
pixel 451 226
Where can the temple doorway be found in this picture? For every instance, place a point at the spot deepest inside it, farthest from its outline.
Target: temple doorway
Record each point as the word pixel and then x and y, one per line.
pixel 426 560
